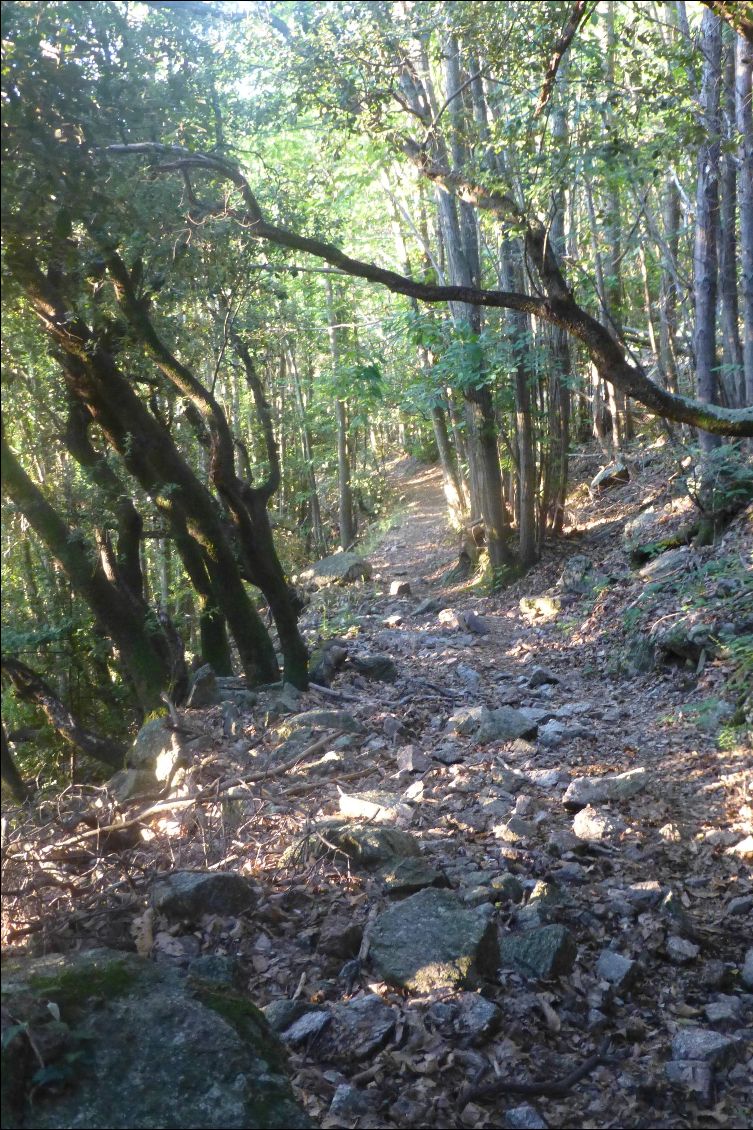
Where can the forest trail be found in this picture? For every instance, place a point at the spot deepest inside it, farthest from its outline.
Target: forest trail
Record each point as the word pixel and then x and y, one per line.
pixel 637 891
pixel 419 544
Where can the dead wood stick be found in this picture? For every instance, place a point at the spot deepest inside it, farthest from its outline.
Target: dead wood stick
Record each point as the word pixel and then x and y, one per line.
pixel 554 1088
pixel 188 802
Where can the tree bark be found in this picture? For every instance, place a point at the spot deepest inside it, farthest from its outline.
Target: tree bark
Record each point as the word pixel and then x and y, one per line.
pixel 734 374
pixel 126 619
pixel 705 252
pixel 744 117
pixel 9 773
pixel 149 453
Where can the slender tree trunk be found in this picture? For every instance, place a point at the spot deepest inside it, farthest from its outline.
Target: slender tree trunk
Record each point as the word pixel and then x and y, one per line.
pixel 123 617
pixel 744 116
pixel 668 296
pixel 9 773
pixel 317 528
pixel 734 376
pixel 618 405
pixel 345 493
pixel 561 374
pixel 450 476
pixel 705 258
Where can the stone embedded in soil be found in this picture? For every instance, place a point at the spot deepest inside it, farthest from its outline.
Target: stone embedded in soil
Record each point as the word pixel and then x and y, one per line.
pixel 432 941
pixel 306 1027
pixel 724 1010
pixel 427 606
pixel 703 1044
pixel 188 895
pixel 280 1014
pixel 400 588
pixel 484 725
pixel 466 1016
pixel 350 1105
pixel 468 676
pixel 506 888
pixel 619 971
pixel 680 951
pixel 525 1117
pixel 740 905
pixel 448 753
pixel 366 845
pixel 340 568
pixel 545 607
pixel 379 807
pixel 596 790
pixel 360 1028
pixel 412 760
pixel 325 720
pixel 694 1076
pixel 543 952
pixel 406 876
pixel 594 825
pixel 378 668
pixel 743 849
pixel 540 676
pixel 644 894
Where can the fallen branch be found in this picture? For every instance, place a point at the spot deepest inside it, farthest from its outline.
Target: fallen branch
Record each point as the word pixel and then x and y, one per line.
pixel 551 1088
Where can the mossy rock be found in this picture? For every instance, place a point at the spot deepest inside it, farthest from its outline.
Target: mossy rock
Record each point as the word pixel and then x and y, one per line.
pixel 134 1045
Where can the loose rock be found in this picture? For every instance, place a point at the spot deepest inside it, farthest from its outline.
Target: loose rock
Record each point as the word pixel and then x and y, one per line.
pixel 188 895
pixel 542 953
pixel 431 941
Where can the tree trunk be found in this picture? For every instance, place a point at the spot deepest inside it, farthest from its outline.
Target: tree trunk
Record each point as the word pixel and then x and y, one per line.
pixel 9 773
pixel 126 619
pixel 734 374
pixel 345 494
pixel 744 115
pixel 561 371
pixel 668 329
pixel 705 263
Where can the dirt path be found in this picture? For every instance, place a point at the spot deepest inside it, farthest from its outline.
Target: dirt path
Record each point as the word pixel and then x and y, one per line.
pixel 649 895
pixel 420 545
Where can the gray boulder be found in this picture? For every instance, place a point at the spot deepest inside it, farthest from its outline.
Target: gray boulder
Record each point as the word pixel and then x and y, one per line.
pixel 432 941
pixel 614 475
pixel 379 668
pixel 544 952
pixel 597 790
pixel 366 845
pixel 160 749
pixel 188 895
pixel 324 720
pixel 138 1046
pixel 594 824
pixel 204 690
pixel 503 724
pixel 702 1044
pixel 339 569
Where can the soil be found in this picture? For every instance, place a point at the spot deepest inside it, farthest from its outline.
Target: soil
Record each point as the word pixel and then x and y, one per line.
pixel 685 832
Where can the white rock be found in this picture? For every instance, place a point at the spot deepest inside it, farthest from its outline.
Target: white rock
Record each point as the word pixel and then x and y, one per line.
pixel 593 824
pixel 595 790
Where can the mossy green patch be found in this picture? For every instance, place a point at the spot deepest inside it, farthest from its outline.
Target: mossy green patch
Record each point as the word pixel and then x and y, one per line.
pixel 70 988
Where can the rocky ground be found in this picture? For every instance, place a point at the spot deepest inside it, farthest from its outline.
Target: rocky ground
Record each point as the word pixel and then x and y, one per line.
pixel 501 876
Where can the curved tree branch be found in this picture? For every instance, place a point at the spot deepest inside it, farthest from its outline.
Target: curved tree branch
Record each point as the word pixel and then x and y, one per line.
pixel 558 307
